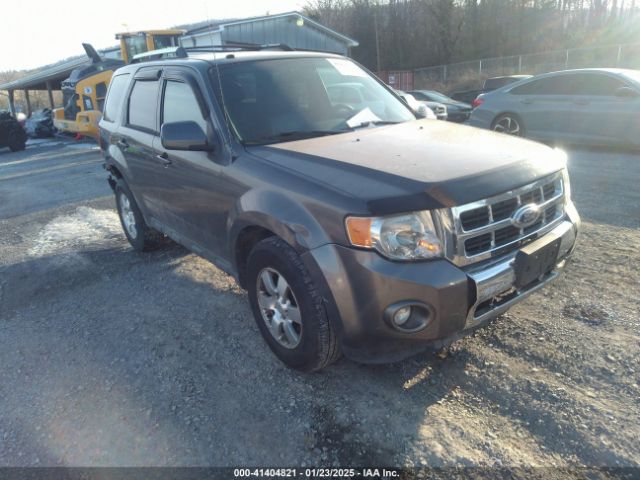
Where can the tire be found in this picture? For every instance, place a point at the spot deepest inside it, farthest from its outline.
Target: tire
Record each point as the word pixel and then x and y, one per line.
pixel 317 344
pixel 509 123
pixel 140 236
pixel 16 143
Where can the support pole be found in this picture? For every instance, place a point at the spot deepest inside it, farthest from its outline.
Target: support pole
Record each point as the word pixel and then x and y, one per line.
pixel 50 92
pixel 28 100
pixel 12 103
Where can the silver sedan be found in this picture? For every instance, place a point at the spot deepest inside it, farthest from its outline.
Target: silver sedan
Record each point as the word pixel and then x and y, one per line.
pixel 587 106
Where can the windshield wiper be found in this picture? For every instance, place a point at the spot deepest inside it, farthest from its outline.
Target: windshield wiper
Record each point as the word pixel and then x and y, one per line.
pixel 294 135
pixel 374 122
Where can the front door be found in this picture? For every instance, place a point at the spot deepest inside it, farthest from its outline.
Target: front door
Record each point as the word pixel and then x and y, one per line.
pixel 195 190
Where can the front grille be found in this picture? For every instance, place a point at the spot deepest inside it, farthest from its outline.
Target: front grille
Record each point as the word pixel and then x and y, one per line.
pixel 484 228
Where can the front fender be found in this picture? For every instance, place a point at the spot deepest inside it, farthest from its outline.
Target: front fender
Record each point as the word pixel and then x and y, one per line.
pixel 284 214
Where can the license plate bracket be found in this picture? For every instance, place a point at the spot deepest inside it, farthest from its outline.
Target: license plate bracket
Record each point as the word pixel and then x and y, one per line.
pixel 535 260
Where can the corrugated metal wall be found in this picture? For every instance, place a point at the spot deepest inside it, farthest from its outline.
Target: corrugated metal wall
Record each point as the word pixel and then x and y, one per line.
pixel 283 30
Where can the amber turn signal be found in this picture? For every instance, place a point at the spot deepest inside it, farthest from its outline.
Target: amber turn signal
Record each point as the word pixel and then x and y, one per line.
pixel 359 231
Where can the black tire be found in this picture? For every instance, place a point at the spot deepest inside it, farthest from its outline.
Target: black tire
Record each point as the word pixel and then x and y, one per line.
pixel 501 121
pixel 143 237
pixel 318 344
pixel 17 142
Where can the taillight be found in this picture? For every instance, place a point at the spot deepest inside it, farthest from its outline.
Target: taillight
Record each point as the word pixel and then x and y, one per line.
pixel 477 102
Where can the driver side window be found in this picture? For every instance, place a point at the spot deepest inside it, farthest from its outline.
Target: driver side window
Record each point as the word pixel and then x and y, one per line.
pixel 180 105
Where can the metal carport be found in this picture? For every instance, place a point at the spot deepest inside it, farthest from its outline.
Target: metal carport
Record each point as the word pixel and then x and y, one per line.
pixel 47 78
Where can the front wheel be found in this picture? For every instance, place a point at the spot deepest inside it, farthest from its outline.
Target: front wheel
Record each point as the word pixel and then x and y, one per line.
pixel 288 307
pixel 510 124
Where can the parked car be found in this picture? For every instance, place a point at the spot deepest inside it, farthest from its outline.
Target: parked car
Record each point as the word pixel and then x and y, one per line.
pixel 420 108
pixel 490 84
pixel 587 106
pixel 374 235
pixel 456 111
pixel 40 124
pixel 12 134
pixel 439 110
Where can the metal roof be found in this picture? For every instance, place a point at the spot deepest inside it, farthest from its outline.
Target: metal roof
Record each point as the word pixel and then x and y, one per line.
pixel 207 27
pixel 54 74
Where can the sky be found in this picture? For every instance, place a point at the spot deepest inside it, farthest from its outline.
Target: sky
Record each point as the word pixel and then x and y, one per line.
pixel 34 33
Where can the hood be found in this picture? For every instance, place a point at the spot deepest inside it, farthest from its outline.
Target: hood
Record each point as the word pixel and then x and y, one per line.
pixel 415 165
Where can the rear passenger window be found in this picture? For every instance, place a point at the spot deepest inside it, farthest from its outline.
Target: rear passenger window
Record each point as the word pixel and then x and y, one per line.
pixel 180 105
pixel 142 104
pixel 117 88
pixel 595 84
pixel 558 85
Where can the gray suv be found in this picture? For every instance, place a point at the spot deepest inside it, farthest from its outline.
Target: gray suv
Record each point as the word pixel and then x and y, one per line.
pixel 354 228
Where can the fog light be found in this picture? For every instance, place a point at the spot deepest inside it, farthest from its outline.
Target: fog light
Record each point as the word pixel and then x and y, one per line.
pixel 402 315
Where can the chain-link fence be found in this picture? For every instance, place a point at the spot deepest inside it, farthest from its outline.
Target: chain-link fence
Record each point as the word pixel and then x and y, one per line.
pixel 470 75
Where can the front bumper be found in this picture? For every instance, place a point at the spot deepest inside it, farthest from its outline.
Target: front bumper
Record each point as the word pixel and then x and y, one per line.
pixel 360 285
pixel 458 117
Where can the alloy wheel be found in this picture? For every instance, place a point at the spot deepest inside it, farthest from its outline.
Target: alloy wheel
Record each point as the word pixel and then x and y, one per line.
pixel 508 125
pixel 128 217
pixel 279 308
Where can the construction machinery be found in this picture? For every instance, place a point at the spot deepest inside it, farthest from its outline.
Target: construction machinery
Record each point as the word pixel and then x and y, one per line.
pixel 84 92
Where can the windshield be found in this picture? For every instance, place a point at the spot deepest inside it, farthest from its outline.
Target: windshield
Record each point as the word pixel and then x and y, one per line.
pixel 270 101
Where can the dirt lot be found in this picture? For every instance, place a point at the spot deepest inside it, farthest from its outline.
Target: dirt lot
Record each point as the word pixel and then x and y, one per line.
pixel 110 357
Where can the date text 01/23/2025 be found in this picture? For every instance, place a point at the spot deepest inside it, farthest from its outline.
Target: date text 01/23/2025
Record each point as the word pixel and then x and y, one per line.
pixel 316 472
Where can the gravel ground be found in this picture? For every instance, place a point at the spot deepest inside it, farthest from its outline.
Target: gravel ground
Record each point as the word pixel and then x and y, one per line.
pixel 110 357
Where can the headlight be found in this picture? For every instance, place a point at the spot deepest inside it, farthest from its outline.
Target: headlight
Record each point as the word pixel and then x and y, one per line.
pixel 400 237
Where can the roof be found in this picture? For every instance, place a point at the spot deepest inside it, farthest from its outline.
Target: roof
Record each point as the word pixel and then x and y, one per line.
pixel 202 59
pixel 54 74
pixel 209 26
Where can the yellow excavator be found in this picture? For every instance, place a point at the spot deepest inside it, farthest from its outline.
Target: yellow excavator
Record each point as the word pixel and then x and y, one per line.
pixel 84 92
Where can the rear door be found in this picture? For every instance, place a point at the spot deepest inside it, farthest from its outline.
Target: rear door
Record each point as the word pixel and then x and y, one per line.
pixel 137 136
pixel 545 106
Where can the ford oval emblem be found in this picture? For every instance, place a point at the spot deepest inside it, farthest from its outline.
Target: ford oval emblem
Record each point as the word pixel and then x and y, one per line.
pixel 526 215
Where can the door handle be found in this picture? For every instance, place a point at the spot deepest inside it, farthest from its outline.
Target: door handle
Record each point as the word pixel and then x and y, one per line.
pixel 164 159
pixel 526 101
pixel 581 102
pixel 123 143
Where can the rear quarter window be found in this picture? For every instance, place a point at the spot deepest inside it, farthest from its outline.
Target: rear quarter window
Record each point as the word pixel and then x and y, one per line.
pixel 113 105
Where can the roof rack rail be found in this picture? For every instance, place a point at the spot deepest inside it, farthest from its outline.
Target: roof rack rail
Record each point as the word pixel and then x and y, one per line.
pixel 238 47
pixel 183 52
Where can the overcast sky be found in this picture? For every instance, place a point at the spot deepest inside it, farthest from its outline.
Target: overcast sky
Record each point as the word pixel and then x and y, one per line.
pixel 38 32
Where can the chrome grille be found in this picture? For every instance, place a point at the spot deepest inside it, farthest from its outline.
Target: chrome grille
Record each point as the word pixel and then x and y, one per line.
pixel 484 229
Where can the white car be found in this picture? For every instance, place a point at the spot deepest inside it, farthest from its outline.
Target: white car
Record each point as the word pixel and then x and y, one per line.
pixel 437 110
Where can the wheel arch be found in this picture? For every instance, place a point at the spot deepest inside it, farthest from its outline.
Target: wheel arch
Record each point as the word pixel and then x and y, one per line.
pixel 260 214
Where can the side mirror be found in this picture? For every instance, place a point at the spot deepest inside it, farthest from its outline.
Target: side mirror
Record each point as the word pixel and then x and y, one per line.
pixel 421 111
pixel 185 136
pixel 627 92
